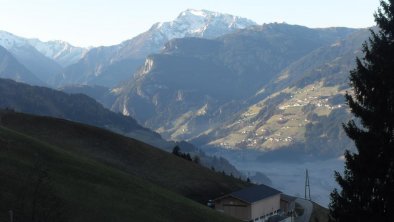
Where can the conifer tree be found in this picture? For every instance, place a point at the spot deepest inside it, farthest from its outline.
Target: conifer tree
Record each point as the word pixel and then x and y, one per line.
pixel 367 184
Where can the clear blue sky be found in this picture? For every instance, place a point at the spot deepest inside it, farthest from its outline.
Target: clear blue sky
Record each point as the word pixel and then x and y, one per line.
pixel 107 22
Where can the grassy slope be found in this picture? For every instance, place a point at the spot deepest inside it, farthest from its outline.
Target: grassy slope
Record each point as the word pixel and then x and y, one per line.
pixel 129 155
pixel 90 190
pixel 122 154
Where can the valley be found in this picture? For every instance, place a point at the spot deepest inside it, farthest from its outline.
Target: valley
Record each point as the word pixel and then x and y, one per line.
pixel 247 103
pixel 289 175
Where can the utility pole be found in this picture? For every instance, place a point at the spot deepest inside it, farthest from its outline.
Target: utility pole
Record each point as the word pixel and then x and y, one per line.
pixel 307 186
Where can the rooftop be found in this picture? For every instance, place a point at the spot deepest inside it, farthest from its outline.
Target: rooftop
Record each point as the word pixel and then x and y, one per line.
pixel 287 198
pixel 254 193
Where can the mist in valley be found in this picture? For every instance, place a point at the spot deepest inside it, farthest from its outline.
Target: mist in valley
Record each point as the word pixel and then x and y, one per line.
pixel 287 173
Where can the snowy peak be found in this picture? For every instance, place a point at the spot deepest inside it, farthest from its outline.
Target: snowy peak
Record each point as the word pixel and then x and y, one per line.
pixel 8 40
pixel 202 13
pixel 201 23
pixel 60 51
pixel 211 17
pixel 198 13
pixel 189 23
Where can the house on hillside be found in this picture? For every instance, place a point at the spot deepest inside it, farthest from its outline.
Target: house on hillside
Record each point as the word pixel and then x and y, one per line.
pixel 256 203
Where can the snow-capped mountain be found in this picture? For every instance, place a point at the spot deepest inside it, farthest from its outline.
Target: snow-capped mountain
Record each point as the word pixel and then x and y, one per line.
pixel 122 60
pixel 201 23
pixel 44 68
pixel 8 40
pixel 189 23
pixel 61 52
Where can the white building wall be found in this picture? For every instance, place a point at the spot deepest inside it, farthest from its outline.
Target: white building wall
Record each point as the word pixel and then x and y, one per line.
pixel 263 209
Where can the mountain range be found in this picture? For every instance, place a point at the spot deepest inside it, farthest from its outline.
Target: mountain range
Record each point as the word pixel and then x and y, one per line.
pixel 269 98
pixel 61 52
pixel 234 91
pixel 45 60
pixel 213 79
pixel 11 68
pixel 58 63
pixel 108 66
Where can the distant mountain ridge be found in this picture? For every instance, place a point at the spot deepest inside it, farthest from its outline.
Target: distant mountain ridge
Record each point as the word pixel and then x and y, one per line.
pixel 60 51
pixel 58 64
pixel 189 23
pixel 107 66
pixel 202 23
pixel 216 80
pixel 10 68
pixel 44 68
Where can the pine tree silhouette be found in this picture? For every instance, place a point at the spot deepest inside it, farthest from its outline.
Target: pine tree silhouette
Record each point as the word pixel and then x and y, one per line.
pixel 368 180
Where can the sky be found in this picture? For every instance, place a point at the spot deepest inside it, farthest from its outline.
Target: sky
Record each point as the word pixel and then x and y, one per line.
pixel 108 22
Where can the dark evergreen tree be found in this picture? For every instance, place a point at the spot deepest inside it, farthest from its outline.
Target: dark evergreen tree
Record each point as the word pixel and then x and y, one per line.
pixel 176 151
pixel 187 156
pixel 368 181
